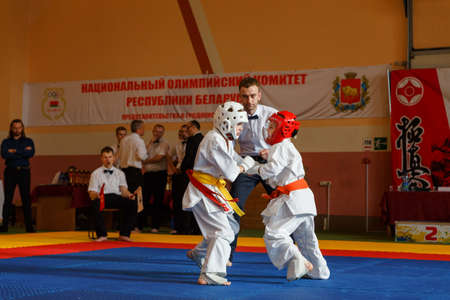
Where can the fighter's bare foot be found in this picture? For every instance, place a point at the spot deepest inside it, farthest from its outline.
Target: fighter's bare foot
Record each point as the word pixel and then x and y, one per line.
pixel 309 266
pixel 198 260
pixel 229 263
pixel 297 267
pixel 202 281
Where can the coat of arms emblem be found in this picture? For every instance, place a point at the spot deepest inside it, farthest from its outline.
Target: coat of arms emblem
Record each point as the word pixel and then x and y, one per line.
pixel 350 93
pixel 53 104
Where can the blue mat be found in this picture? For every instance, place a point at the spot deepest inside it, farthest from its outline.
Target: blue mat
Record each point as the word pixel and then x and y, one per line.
pixel 150 273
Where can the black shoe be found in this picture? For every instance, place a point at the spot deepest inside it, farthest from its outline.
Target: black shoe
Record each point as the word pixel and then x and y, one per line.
pixel 31 230
pixel 3 228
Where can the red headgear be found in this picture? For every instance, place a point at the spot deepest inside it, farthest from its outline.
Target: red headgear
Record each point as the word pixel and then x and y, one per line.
pixel 286 124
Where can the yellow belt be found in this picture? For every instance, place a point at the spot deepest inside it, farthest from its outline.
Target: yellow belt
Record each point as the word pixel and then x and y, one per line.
pixel 221 185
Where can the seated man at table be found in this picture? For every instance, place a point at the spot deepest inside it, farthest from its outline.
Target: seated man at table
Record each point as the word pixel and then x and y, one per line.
pixel 108 189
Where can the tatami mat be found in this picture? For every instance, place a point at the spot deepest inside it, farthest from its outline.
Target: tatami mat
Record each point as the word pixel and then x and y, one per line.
pixel 68 237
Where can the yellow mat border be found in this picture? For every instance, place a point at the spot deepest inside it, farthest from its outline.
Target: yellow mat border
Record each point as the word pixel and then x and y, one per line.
pixel 68 237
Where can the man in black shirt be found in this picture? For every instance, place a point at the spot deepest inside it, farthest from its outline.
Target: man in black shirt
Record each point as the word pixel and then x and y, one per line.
pixel 195 137
pixel 16 150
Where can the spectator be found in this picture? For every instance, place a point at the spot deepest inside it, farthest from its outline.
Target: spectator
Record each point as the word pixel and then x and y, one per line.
pixel 180 147
pixel 155 178
pixel 179 181
pixel 17 149
pixel 121 132
pixel 195 137
pixel 132 152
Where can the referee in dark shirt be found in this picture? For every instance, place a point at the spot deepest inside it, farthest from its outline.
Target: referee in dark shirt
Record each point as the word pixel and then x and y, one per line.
pixel 17 149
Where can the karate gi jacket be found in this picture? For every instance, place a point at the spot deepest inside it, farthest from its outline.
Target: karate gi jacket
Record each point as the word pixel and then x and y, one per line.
pixel 216 157
pixel 284 165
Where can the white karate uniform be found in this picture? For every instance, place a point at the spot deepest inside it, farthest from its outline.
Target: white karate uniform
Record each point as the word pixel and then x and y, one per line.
pixel 216 157
pixel 290 214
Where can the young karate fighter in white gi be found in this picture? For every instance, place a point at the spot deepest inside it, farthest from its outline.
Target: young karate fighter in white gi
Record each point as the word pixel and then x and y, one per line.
pixel 207 196
pixel 291 209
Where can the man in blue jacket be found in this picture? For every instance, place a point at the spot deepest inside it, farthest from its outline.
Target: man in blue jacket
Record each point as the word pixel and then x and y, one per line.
pixel 17 149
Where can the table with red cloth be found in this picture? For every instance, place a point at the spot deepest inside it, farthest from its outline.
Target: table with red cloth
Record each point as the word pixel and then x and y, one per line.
pixel 79 194
pixel 415 206
pixel 57 204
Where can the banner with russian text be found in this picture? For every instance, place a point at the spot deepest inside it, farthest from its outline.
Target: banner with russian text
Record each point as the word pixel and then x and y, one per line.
pixel 359 92
pixel 420 130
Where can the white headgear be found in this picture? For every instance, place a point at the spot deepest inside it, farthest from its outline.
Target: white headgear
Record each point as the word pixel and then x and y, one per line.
pixel 227 116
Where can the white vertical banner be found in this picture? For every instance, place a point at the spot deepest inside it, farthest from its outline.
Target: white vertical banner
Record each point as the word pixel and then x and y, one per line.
pixel 359 92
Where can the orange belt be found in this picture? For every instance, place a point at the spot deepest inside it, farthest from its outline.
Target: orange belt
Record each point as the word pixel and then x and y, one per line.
pixel 286 189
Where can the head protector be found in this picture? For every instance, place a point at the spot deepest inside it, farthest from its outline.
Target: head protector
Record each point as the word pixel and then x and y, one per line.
pixel 286 127
pixel 227 116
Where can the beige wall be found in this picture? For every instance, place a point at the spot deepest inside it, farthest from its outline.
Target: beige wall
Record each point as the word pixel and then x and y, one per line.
pixel 85 39
pixel 14 58
pixel 111 39
pixel 291 34
pixel 431 23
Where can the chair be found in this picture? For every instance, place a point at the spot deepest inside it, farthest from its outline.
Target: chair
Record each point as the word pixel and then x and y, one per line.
pixel 91 223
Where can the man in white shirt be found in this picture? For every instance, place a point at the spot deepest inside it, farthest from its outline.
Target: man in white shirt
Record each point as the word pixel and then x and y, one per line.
pixel 108 189
pixel 155 178
pixel 131 154
pixel 121 132
pixel 251 142
pixel 180 147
